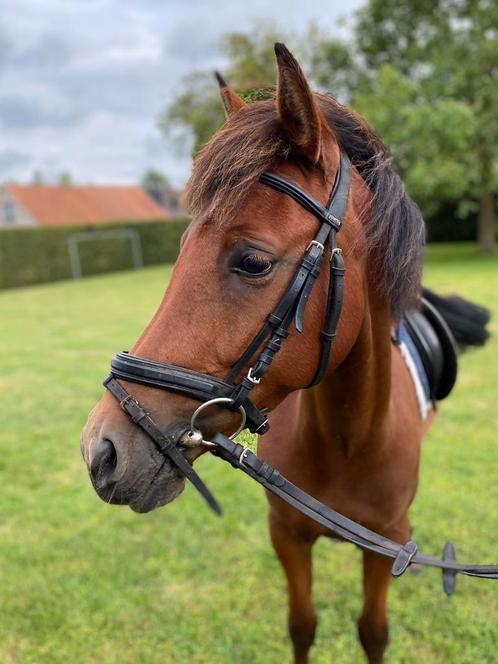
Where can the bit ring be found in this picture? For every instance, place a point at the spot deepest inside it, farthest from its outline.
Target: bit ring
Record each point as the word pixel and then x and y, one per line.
pixel 219 401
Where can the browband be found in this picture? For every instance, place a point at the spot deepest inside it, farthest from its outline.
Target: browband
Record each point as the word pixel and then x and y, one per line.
pixel 305 200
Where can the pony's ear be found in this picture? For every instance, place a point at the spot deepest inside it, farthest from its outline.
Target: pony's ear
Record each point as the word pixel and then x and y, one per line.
pixel 297 108
pixel 232 103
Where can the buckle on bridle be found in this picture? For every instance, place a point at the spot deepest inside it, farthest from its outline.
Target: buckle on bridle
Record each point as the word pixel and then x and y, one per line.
pixel 263 425
pixel 128 399
pixel 336 251
pixel 254 381
pixel 316 244
pixel 243 455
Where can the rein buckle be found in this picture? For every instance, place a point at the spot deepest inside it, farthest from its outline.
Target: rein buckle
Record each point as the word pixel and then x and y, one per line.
pixel 243 455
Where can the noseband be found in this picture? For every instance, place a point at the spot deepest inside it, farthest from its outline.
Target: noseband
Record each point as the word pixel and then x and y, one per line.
pixel 234 392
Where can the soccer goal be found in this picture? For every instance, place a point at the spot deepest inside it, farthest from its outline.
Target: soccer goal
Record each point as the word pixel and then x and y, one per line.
pixel 75 241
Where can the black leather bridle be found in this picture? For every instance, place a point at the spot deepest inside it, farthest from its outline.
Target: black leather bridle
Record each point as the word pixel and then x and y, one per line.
pixel 276 327
pixel 234 393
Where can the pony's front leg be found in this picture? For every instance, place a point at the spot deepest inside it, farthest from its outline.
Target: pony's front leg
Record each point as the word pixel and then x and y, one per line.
pixel 294 553
pixel 373 627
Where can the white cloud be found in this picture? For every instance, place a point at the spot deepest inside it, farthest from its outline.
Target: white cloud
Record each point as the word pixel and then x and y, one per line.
pixel 83 82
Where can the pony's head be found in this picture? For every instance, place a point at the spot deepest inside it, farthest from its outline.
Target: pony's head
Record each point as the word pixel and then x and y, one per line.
pixel 237 258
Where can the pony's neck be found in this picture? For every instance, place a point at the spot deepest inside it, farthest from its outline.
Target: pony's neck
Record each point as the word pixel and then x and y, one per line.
pixel 350 406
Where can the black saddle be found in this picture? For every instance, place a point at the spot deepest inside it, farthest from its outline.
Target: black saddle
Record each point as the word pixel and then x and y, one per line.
pixel 436 346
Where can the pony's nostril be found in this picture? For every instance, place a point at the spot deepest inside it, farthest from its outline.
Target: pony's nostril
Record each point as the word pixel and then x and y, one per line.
pixel 104 462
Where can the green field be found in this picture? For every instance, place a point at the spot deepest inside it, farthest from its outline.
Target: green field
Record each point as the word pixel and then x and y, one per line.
pixel 81 581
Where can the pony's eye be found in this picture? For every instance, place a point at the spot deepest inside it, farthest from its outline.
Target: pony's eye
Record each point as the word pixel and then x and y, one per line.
pixel 255 265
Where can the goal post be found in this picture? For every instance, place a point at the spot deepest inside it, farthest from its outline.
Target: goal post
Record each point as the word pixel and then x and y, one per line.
pixel 76 239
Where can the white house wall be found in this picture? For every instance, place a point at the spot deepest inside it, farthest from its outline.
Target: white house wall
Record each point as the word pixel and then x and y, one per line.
pixel 20 217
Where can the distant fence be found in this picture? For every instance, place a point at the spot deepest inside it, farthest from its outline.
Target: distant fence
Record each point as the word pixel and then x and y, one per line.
pixel 37 255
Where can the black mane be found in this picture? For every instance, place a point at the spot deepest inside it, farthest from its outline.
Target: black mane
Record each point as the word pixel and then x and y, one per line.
pixel 394 224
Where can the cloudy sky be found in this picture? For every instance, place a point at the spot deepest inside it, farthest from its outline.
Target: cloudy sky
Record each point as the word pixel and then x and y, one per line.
pixel 82 82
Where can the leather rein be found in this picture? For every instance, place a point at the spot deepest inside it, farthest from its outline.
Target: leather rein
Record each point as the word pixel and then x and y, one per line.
pixel 235 394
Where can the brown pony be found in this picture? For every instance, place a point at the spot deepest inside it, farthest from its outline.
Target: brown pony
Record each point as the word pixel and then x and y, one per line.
pixel 353 441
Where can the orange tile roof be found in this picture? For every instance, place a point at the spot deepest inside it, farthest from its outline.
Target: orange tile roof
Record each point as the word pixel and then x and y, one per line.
pixel 62 206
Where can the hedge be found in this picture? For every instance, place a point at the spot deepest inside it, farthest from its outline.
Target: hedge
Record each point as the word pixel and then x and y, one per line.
pixel 446 226
pixel 37 255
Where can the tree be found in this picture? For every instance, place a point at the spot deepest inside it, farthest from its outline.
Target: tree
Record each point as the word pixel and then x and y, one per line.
pixel 37 177
pixel 448 49
pixel 65 179
pixel 197 110
pixel 251 56
pixel 430 140
pixel 153 180
pixel 423 72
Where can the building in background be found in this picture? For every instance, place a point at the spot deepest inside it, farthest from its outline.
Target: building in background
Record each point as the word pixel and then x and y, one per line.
pixel 158 185
pixel 170 200
pixel 43 205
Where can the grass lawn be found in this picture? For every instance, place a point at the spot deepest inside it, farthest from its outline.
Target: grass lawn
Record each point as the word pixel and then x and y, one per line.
pixel 81 581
